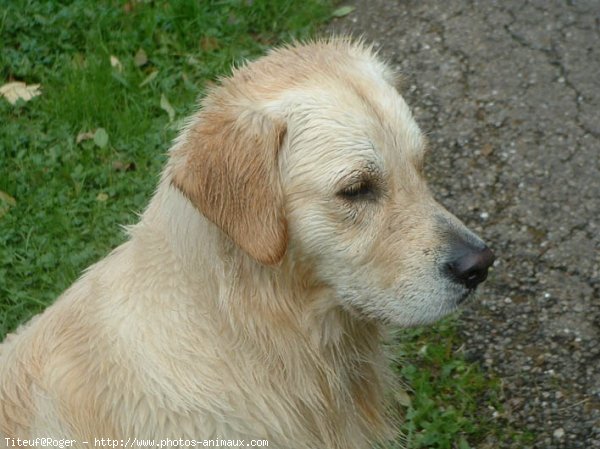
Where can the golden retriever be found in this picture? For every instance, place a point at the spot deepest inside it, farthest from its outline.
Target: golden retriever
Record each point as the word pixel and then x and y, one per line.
pixel 291 226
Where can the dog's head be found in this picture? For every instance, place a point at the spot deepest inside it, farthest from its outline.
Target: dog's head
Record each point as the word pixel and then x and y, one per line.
pixel 311 153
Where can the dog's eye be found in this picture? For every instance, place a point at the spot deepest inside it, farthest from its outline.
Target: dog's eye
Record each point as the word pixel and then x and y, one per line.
pixel 357 191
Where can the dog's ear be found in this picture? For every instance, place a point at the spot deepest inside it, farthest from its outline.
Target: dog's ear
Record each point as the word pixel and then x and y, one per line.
pixel 229 171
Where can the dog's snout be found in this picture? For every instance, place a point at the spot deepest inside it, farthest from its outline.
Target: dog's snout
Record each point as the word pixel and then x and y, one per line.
pixel 469 266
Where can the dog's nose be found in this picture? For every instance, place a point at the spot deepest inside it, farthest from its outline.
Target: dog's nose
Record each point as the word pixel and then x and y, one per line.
pixel 470 268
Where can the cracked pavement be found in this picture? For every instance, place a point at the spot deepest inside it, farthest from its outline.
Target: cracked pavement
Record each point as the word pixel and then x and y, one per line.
pixel 509 96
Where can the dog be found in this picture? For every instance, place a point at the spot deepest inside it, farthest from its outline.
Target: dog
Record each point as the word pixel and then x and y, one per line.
pixel 291 227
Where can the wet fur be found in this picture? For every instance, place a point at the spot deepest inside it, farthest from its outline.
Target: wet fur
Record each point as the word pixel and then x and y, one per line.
pixel 231 311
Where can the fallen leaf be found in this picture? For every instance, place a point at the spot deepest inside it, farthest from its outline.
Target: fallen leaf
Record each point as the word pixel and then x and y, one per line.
pixel 462 444
pixel 84 136
pixel 140 58
pixel 166 106
pixel 6 202
pixel 191 60
pixel 188 83
pixel 78 60
pixel 343 11
pixel 101 137
pixel 102 197
pixel 128 7
pixel 209 43
pixel 122 166
pixel 18 90
pixel 114 62
pixel 5 197
pixel 149 78
pixel 403 398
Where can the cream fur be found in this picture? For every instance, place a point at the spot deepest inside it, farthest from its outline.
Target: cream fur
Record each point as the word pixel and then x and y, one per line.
pixel 264 320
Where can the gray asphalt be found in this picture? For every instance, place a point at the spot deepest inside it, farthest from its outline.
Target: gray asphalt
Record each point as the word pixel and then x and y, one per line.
pixel 509 95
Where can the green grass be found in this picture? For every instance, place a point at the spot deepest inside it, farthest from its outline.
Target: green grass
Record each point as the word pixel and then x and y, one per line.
pixel 62 201
pixel 70 197
pixel 453 404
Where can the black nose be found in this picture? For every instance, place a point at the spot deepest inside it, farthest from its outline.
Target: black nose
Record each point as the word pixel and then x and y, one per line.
pixel 470 265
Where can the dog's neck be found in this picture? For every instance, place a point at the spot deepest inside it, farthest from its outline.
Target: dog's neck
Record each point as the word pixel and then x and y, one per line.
pixel 285 325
